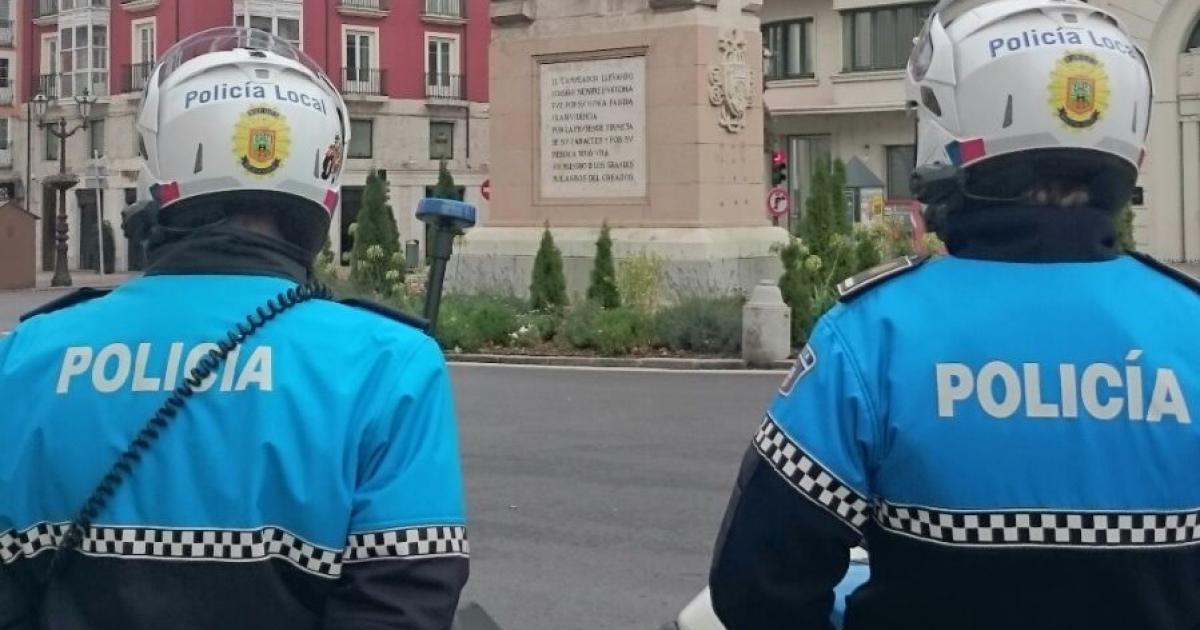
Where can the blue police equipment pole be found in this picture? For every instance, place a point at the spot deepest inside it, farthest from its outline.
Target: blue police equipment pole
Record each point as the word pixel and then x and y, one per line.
pixel 449 219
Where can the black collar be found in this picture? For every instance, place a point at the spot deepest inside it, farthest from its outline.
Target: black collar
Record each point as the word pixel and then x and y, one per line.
pixel 1044 235
pixel 228 250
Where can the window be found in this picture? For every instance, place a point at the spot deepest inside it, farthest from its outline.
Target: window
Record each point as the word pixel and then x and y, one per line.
pixel 881 39
pixel 790 44
pixel 96 138
pixel 901 160
pixel 449 8
pixel 805 155
pixel 441 65
pixel 144 42
pixel 284 27
pixel 359 60
pixel 441 140
pixel 84 56
pixel 1194 40
pixel 5 73
pixel 51 146
pixel 362 139
pixel 4 134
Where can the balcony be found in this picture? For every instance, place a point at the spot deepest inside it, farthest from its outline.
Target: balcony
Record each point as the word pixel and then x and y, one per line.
pixel 449 12
pixel 62 86
pixel 365 8
pixel 440 86
pixel 137 6
pixel 47 84
pixel 363 82
pixel 46 11
pixel 6 93
pixel 135 76
pixel 6 33
pixel 6 158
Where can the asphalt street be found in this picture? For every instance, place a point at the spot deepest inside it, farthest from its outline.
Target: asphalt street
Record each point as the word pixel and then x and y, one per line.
pixel 594 495
pixel 14 304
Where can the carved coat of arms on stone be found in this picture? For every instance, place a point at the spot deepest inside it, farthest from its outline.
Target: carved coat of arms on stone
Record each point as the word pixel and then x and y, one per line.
pixel 731 84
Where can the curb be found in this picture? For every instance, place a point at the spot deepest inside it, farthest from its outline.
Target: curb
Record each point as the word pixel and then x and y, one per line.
pixel 655 363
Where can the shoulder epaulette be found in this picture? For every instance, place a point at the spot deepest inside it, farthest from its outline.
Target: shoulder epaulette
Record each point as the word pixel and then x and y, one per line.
pixel 857 285
pixel 73 298
pixel 390 313
pixel 1182 277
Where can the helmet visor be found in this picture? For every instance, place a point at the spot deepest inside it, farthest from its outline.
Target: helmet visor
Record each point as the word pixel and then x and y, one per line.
pixel 227 38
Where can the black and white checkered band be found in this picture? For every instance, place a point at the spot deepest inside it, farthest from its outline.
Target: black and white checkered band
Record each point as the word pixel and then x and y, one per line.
pixel 808 476
pixel 239 545
pixel 420 542
pixel 1043 528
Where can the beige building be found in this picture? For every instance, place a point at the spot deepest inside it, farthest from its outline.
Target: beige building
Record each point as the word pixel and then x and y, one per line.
pixel 835 87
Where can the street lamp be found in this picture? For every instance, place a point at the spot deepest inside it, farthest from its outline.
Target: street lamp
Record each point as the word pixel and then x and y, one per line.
pixel 63 181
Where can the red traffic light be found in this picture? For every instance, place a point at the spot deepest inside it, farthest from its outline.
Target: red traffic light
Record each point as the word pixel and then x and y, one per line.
pixel 778 158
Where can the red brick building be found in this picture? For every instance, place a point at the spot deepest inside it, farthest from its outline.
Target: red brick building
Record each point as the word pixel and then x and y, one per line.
pixel 414 74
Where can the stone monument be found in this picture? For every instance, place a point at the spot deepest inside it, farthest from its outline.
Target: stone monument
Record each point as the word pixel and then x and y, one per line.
pixel 646 114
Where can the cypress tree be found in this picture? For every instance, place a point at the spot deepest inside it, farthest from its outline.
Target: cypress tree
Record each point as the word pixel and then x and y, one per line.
pixel 548 288
pixel 375 227
pixel 446 188
pixel 603 289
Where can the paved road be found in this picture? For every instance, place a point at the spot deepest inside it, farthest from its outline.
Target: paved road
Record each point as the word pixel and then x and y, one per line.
pixel 594 496
pixel 14 304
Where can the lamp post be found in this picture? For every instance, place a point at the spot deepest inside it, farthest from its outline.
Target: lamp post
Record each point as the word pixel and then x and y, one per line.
pixel 63 181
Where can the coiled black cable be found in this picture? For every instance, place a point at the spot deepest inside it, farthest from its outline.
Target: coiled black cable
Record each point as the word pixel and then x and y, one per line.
pixel 161 420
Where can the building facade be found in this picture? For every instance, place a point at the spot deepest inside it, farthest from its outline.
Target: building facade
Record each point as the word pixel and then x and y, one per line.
pixel 834 83
pixel 414 74
pixel 11 94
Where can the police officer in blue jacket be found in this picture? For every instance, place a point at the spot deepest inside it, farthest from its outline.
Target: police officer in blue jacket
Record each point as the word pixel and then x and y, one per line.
pixel 217 445
pixel 1010 429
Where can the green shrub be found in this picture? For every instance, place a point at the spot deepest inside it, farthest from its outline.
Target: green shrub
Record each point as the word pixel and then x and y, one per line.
pixel 613 331
pixel 536 327
pixel 702 325
pixel 867 245
pixel 603 288
pixel 640 281
pixel 470 322
pixel 548 289
pixel 445 188
pixel 1125 238
pixel 805 286
pixel 376 248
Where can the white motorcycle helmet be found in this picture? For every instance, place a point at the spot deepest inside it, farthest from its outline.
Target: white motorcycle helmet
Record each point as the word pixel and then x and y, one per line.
pixel 235 117
pixel 1008 91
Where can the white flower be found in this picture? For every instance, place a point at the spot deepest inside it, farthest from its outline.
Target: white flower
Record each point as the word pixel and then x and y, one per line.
pixel 392 275
pixel 374 252
pixel 813 263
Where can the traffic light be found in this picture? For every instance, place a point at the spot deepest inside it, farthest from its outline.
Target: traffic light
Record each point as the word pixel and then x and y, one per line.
pixel 779 168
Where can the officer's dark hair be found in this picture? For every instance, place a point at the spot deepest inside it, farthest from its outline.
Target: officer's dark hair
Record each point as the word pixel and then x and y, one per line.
pixel 302 224
pixel 1054 178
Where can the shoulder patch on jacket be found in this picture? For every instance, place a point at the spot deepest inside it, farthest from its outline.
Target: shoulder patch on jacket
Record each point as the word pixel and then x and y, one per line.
pixel 73 298
pixel 857 285
pixel 1182 277
pixel 390 313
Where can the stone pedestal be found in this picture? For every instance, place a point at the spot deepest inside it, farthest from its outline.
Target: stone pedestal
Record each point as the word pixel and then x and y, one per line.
pixel 766 326
pixel 644 113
